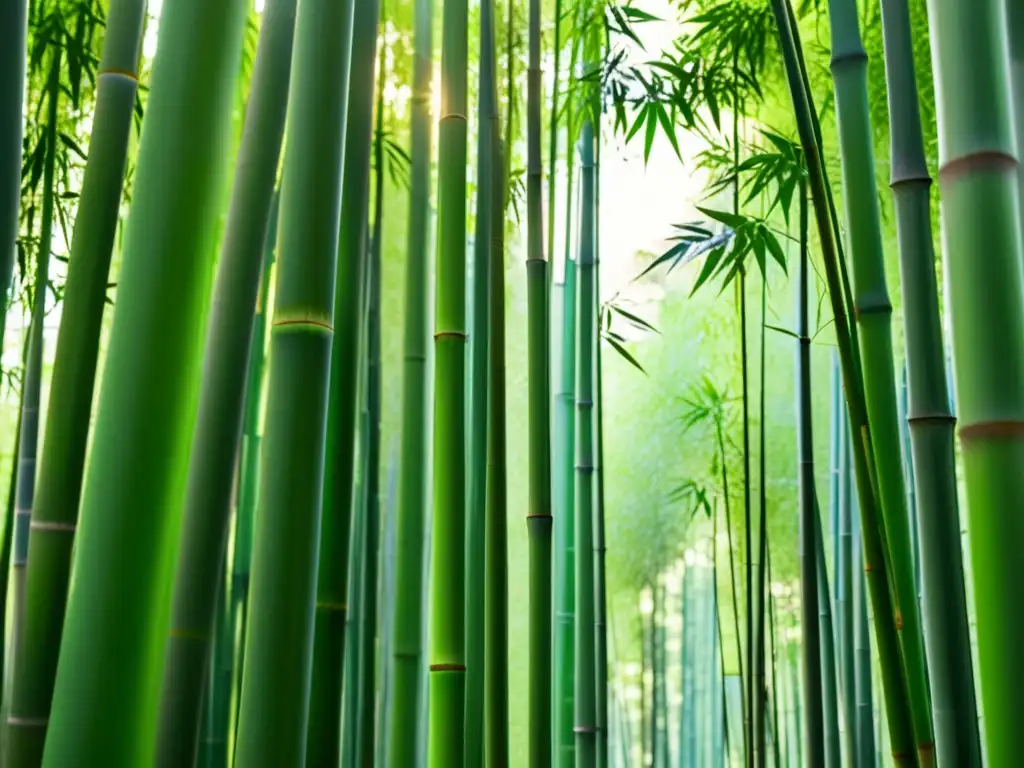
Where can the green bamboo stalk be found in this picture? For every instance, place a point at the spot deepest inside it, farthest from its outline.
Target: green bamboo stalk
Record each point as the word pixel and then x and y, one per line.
pixel 830 689
pixel 875 553
pixel 280 632
pixel 28 444
pixel 106 693
pixel 8 536
pixel 407 694
pixel 809 592
pixel 55 511
pixel 538 519
pixel 688 714
pixel 947 634
pixel 585 662
pixel 1015 33
pixel 201 553
pixel 980 203
pixel 564 456
pixel 845 569
pixel 864 720
pixel 332 581
pixel 13 40
pixel 758 673
pixel 216 701
pixel 371 545
pixel 874 318
pixel 553 121
pixel 447 636
pixel 779 725
pixel 496 711
pixel 600 586
pixel 249 464
pixel 476 523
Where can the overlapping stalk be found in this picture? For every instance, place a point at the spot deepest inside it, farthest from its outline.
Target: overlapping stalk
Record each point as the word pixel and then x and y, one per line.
pixel 586 337
pixel 538 520
pixel 874 319
pixel 931 423
pixel 338 500
pixel 876 563
pixel 201 553
pixel 29 733
pixel 982 247
pixel 407 692
pixel 272 719
pixel 447 676
pixel 845 569
pixel 496 709
pixel 476 523
pixel 107 686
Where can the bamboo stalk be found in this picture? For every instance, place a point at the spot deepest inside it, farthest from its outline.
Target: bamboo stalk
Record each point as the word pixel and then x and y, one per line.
pixel 199 578
pixel 447 635
pixel 931 423
pixel 107 687
pixel 279 638
pixel 407 726
pixel 978 175
pixel 13 58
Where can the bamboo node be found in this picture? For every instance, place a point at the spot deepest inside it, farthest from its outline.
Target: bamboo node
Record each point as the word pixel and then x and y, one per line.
pixel 1004 428
pixel 584 729
pixel 457 335
pixel 302 320
pixel 447 667
pixel 189 634
pixel 28 722
pixel 932 418
pixel 899 620
pixel 975 161
pixel 116 71
pixel 329 606
pixel 45 525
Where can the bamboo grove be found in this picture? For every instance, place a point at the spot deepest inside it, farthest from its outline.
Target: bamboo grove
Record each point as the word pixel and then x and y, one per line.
pixel 335 433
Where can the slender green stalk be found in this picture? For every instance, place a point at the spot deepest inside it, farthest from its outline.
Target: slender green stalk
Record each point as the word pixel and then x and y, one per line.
pixel 496 712
pixel 476 523
pixel 332 581
pixel 980 204
pixel 19 723
pixel 586 337
pixel 538 520
pixel 8 534
pixel 249 464
pixel 553 120
pixel 600 585
pixel 758 673
pixel 810 639
pixel 864 721
pixel 1015 34
pixel 844 568
pixel 778 725
pixel 213 748
pixel 874 318
pixel 565 589
pixel 55 511
pixel 279 638
pixel 876 563
pixel 447 635
pixel 947 634
pixel 107 686
pixel 830 690
pixel 13 39
pixel 201 553
pixel 407 693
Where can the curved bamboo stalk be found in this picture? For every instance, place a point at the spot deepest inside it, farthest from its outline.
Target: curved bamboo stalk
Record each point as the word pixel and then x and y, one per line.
pixel 980 205
pixel 874 318
pixel 107 686
pixel 201 553
pixel 335 564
